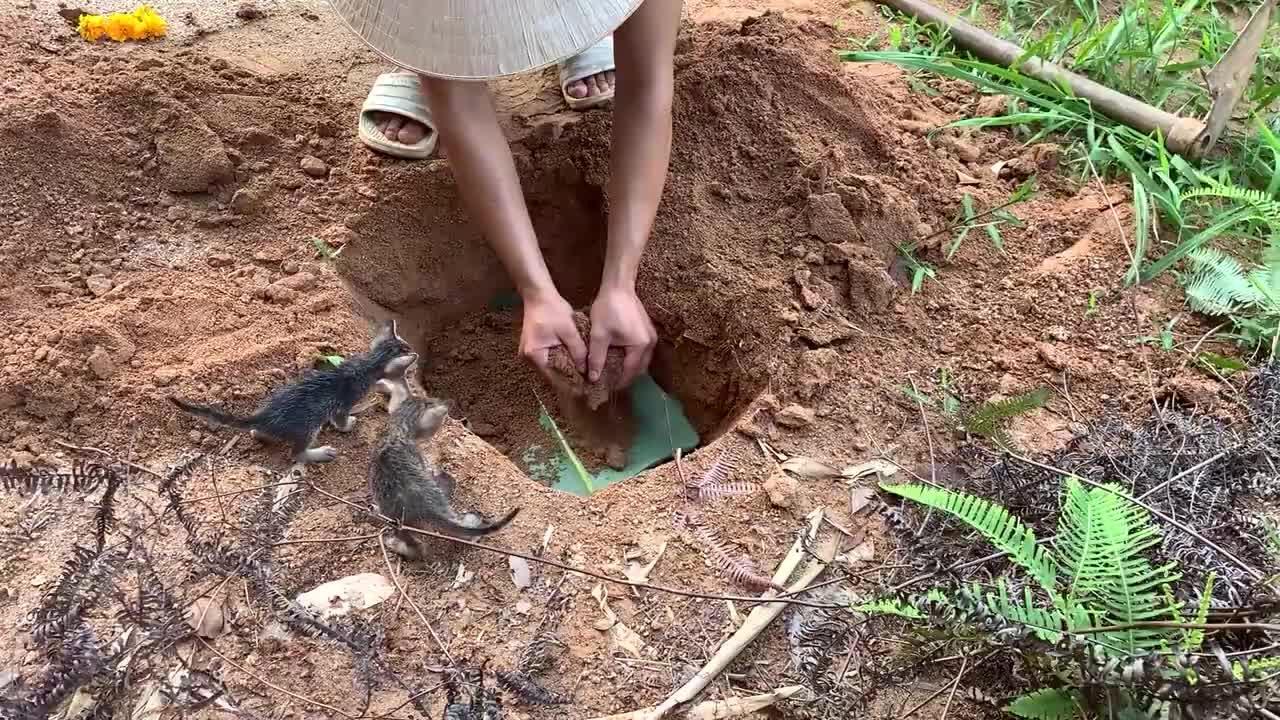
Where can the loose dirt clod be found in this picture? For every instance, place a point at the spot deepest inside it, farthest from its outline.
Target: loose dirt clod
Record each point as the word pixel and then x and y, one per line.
pixel 574 382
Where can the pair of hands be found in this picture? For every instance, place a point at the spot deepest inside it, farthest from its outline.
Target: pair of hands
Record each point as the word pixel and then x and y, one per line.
pixel 618 319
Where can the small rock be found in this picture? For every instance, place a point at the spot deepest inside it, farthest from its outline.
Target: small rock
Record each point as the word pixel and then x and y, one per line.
pixel 205 616
pixel 99 285
pixel 616 457
pixel 191 157
pixel 22 460
pixel 816 370
pixel 194 436
pixel 829 220
pixel 38 581
pixel 782 489
pixel 290 267
pixel 42 352
pixel 219 260
pixel 175 213
pixel 870 287
pixel 248 11
pixel 244 200
pixel 966 151
pixel 268 256
pixel 991 106
pixel 314 166
pixel 1051 355
pixel 290 182
pixel 281 294
pixel 320 303
pixel 300 281
pixel 1195 389
pixel 101 363
pixel 795 417
pixel 165 375
pixel 272 638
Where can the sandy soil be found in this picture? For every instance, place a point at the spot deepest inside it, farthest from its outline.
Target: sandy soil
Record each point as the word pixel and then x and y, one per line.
pixel 161 205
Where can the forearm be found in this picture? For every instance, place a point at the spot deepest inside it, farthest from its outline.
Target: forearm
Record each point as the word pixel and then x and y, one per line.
pixel 641 155
pixel 487 180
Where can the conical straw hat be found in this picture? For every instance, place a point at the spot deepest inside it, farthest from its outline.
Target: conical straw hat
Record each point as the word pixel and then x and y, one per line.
pixel 481 39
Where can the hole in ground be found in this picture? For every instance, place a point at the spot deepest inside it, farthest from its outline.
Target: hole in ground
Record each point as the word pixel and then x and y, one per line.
pixel 467 329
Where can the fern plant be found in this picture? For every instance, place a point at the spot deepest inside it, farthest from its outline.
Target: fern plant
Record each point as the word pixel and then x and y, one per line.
pixel 1219 284
pixel 1094 573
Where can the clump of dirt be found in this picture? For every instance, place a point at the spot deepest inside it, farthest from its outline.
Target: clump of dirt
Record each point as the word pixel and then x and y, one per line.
pixel 568 380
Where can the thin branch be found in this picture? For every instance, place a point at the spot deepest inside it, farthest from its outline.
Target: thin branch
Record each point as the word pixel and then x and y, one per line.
pixel 104 453
pixel 569 568
pixel 277 688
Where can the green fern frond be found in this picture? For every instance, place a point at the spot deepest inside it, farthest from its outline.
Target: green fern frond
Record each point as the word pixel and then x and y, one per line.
pixel 985 419
pixel 1192 640
pixel 1114 573
pixel 1218 283
pixel 1003 530
pixel 1256 667
pixel 1267 209
pixel 889 606
pixel 1045 624
pixel 1046 704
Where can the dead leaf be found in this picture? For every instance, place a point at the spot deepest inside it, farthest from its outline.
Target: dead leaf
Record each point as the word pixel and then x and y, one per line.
pixel 462 578
pixel 734 617
pixel 524 607
pixel 638 573
pixel 865 552
pixel 965 179
pixel 354 592
pixel 808 468
pixel 860 498
pixel 881 467
pixel 996 168
pixel 546 539
pixel 620 636
pixel 520 574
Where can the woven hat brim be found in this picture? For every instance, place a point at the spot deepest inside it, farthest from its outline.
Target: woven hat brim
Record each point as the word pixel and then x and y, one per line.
pixel 481 39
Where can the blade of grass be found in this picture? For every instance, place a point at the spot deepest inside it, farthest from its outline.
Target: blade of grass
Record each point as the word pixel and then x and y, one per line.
pixel 549 423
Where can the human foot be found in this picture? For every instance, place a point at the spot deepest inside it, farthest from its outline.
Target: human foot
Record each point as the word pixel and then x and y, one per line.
pixel 598 84
pixel 395 119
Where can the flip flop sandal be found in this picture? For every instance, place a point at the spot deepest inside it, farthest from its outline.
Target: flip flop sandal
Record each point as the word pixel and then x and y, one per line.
pixel 400 94
pixel 594 60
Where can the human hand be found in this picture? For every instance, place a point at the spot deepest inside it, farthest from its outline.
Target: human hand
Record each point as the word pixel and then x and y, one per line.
pixel 618 319
pixel 548 322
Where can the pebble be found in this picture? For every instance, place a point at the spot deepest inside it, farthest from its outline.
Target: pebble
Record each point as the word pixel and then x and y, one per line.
pixel 299 281
pixel 795 416
pixel 194 436
pixel 248 11
pixel 101 363
pixel 99 285
pixel 220 260
pixel 782 489
pixel 290 267
pixel 314 166
pixel 244 200
pixel 165 375
pixel 38 581
pixel 1051 355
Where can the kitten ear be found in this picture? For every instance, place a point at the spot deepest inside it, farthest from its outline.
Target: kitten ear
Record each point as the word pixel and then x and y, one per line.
pixel 399 366
pixel 430 419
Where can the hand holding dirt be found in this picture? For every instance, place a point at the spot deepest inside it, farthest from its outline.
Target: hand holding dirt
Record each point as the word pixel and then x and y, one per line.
pixel 565 376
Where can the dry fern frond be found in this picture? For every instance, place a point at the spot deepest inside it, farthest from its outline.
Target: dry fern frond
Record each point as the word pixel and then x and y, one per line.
pixel 82 478
pixel 736 566
pixel 718 473
pixel 527 689
pixel 719 491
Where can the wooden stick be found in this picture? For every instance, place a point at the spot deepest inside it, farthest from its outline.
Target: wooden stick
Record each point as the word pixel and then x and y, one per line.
pixel 1184 136
pixel 757 620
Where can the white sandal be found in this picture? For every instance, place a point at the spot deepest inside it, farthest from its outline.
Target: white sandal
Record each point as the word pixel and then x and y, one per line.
pixel 397 93
pixel 594 60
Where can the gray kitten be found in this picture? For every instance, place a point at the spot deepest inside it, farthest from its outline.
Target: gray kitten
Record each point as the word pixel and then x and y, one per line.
pixel 409 488
pixel 295 413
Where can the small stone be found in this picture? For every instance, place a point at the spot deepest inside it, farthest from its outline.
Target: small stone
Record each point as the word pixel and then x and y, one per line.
pixel 175 213
pixel 101 363
pixel 165 375
pixel 795 417
pixel 41 353
pixel 191 157
pixel 268 256
pixel 244 200
pixel 272 638
pixel 194 436
pixel 616 457
pixel 320 303
pixel 782 489
pixel 281 294
pixel 206 618
pixel 290 267
pixel 299 281
pixel 314 166
pixel 248 11
pixel 219 260
pixel 99 285
pixel 38 581
pixel 290 182
pixel 1051 355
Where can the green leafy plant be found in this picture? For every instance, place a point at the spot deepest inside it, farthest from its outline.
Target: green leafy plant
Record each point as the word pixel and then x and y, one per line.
pixel 918 268
pixel 970 219
pixel 328 361
pixel 986 419
pixel 325 250
pixel 1094 573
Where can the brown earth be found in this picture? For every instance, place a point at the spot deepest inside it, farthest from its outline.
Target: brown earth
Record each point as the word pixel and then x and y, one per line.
pixel 161 207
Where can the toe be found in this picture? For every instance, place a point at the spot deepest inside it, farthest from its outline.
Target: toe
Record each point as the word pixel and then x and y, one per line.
pixel 593 86
pixel 608 80
pixel 577 89
pixel 412 132
pixel 392 129
pixel 380 121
